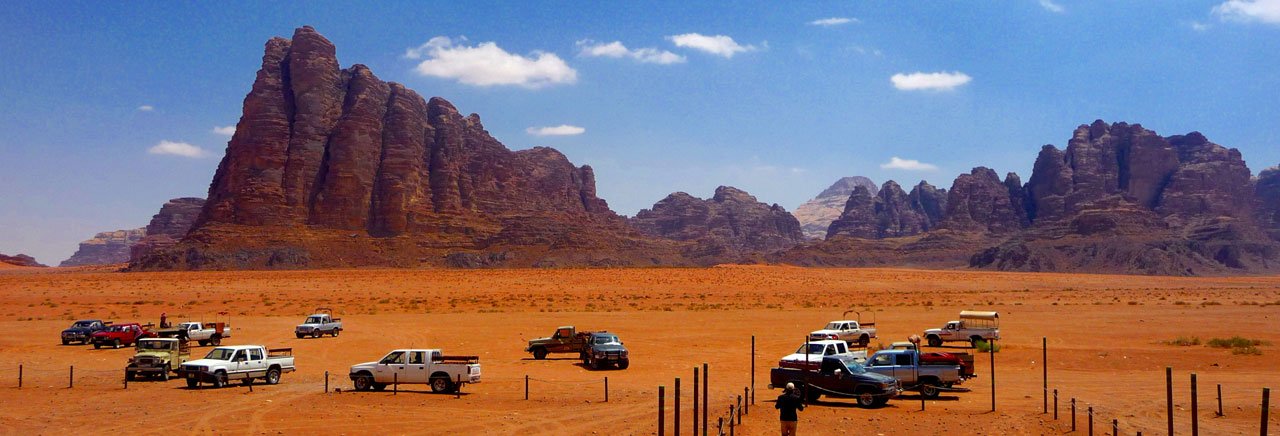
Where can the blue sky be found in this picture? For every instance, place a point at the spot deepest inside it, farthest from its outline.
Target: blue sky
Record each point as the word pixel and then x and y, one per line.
pixel 779 101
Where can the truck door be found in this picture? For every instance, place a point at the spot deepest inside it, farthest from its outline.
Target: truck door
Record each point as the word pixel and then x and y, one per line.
pixel 389 368
pixel 416 371
pixel 257 364
pixel 904 369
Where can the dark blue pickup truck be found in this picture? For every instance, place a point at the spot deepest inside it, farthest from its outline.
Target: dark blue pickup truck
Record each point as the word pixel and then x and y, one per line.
pixel 838 376
pixel 82 331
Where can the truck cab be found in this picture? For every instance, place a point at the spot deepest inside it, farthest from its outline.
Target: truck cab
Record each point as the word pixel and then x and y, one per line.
pixel 429 366
pixel 157 357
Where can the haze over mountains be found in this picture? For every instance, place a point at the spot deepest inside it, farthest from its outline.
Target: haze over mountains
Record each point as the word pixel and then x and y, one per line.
pixel 332 167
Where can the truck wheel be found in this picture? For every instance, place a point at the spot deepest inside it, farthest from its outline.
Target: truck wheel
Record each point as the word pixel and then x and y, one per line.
pixel 379 386
pixel 215 340
pixel 203 342
pixel 935 341
pixel 812 394
pixel 623 364
pixel 974 340
pixel 866 398
pixel 539 353
pixel 335 332
pixel 299 335
pixel 192 383
pixel 129 375
pixel 97 345
pixel 595 364
pixel 315 333
pixel 363 382
pixel 273 376
pixel 65 342
pixel 441 385
pixel 115 343
pixel 929 390
pixel 864 341
pixel 220 379
pixel 164 375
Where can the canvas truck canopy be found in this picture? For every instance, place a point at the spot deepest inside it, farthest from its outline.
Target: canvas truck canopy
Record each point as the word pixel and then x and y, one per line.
pixel 976 318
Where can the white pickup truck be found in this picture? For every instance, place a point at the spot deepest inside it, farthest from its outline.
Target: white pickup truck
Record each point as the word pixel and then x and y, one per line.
pixel 321 323
pixel 973 327
pixel 852 332
pixel 210 333
pixel 809 355
pixel 417 366
pixel 238 362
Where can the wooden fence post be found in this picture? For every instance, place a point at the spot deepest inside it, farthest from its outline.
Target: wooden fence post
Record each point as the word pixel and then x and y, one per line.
pixel 1195 408
pixel 662 392
pixel 1168 395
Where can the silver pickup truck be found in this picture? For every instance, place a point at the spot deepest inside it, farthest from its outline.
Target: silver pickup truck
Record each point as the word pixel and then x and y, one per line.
pixel 935 373
pixel 317 324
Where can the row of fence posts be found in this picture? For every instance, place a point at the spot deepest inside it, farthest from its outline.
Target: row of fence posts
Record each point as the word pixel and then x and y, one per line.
pixel 1115 423
pixel 701 420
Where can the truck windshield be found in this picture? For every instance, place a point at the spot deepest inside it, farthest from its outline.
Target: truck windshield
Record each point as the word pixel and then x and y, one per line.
pixel 606 339
pixel 220 354
pixel 813 349
pixel 313 320
pixel 153 345
pixel 83 324
pixel 854 367
pixel 833 326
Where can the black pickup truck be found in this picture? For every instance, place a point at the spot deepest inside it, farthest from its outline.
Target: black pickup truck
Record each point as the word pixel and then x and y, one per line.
pixel 839 376
pixel 82 331
pixel 604 348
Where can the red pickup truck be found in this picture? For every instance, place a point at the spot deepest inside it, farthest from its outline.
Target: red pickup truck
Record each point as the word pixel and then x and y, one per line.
pixel 123 334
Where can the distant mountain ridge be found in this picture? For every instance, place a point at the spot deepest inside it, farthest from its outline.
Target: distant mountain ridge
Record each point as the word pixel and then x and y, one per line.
pixel 817 214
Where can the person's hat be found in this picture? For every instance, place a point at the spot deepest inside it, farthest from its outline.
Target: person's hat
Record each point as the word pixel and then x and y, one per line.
pixel 791 386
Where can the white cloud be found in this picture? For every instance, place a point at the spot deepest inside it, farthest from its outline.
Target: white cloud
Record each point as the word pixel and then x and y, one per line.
pixel 224 130
pixel 1198 26
pixel 146 108
pixel 833 21
pixel 929 81
pixel 177 149
pixel 1050 6
pixel 561 130
pixel 897 163
pixel 1266 11
pixel 486 64
pixel 616 49
pixel 718 45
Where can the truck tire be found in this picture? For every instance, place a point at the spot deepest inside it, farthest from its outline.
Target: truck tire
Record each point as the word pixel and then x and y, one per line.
pixel 203 342
pixel 315 333
pixel 335 332
pixel 115 344
pixel 130 375
pixel 65 342
pixel 539 353
pixel 935 341
pixel 299 335
pixel 864 340
pixel 866 398
pixel 974 340
pixel 595 364
pixel 219 379
pixel 164 376
pixel 929 388
pixel 192 383
pixel 811 394
pixel 215 340
pixel 441 385
pixel 273 376
pixel 97 345
pixel 379 386
pixel 623 364
pixel 363 381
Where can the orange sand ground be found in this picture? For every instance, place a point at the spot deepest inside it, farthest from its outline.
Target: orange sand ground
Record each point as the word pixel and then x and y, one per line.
pixel 1105 335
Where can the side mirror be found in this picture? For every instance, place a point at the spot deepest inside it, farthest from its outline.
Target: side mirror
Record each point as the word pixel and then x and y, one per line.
pixel 839 373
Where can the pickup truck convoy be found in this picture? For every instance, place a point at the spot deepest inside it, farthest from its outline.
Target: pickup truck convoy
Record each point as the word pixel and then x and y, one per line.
pixel 838 376
pixel 157 357
pixel 973 327
pixel 417 366
pixel 209 333
pixel 810 354
pixel 82 331
pixel 238 362
pixel 566 339
pixel 320 323
pixel 118 335
pixel 936 371
pixel 852 332
pixel 604 348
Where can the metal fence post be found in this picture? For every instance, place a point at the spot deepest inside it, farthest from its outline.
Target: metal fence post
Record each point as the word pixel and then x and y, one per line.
pixel 730 420
pixel 1219 399
pixel 606 389
pixel 71 377
pixel 992 344
pixel 526 387
pixel 1168 394
pixel 753 369
pixel 719 424
pixel 126 381
pixel 1266 410
pixel 19 375
pixel 1090 420
pixel 457 387
pixel 326 382
pixel 706 381
pixel 738 414
pixel 1073 414
pixel 1195 408
pixel 1055 404
pixel 395 384
pixel 695 401
pixel 662 392
pixel 745 394
pixel 675 403
pixel 1044 362
pixel 1115 427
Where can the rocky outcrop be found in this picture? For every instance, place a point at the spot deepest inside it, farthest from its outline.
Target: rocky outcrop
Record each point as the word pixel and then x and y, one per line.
pixel 890 213
pixel 168 226
pixel 19 260
pixel 105 248
pixel 1267 193
pixel 817 214
pixel 980 202
pixel 729 225
pixel 336 167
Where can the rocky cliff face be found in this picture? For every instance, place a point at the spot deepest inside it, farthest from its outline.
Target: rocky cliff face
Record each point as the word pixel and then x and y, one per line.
pixel 817 214
pixel 730 224
pixel 168 226
pixel 335 167
pixel 19 260
pixel 891 212
pixel 105 248
pixel 1267 193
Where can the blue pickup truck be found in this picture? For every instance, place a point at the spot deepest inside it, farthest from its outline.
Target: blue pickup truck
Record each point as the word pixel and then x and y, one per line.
pixel 931 375
pixel 838 376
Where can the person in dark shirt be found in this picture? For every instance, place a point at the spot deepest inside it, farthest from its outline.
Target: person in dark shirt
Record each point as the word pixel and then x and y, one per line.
pixel 788 403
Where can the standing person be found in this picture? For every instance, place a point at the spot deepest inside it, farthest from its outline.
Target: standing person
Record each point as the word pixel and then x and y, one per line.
pixel 164 323
pixel 788 403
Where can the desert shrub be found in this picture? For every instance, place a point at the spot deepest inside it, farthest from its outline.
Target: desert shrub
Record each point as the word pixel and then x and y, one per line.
pixel 986 347
pixel 1250 350
pixel 1183 341
pixel 1235 342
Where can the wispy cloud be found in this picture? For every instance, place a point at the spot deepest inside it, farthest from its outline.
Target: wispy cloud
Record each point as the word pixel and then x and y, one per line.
pixel 224 130
pixel 1050 6
pixel 561 130
pixel 719 45
pixel 1198 26
pixel 177 149
pixel 616 49
pixel 486 64
pixel 940 81
pixel 897 163
pixel 146 108
pixel 833 21
pixel 1265 11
